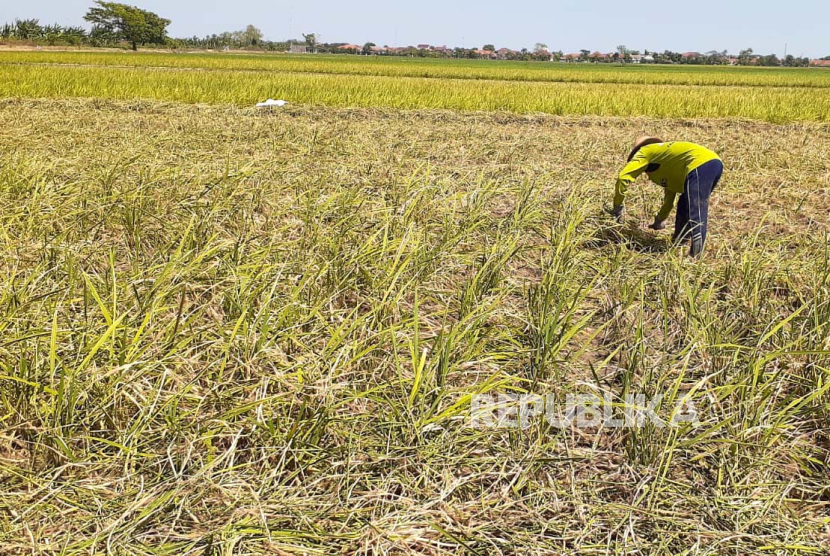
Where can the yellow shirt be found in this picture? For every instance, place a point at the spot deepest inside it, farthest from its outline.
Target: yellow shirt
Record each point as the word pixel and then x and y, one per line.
pixel 667 165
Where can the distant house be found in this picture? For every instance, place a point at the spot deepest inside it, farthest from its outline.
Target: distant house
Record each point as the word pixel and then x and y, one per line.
pixel 820 63
pixel 378 49
pixel 350 47
pixel 573 57
pixel 298 49
pixel 642 59
pixel 598 56
pixel 485 53
pixel 424 47
pixel 690 55
pixel 505 53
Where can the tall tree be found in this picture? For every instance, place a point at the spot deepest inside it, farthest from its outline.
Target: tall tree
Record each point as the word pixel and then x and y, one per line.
pixel 540 47
pixel 253 36
pixel 745 56
pixel 28 29
pixel 489 48
pixel 311 41
pixel 129 23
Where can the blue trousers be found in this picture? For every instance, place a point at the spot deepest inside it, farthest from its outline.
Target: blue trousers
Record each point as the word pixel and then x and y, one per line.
pixel 693 206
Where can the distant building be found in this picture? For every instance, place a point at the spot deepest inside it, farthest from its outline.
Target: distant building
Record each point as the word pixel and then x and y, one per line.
pixel 298 49
pixel 424 47
pixel 820 63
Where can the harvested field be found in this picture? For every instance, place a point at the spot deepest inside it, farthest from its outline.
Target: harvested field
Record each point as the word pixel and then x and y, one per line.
pixel 230 331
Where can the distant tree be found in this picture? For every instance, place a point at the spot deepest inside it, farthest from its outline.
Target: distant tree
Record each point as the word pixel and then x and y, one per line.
pixel 52 33
pixel 745 56
pixel 540 47
pixel 583 54
pixel 252 36
pixel 622 50
pixel 367 48
pixel 74 34
pixel 31 29
pixel 249 36
pixel 489 48
pixel 311 41
pixel 129 23
pixel 224 39
pixel 27 29
pixel 713 57
pixel 770 60
pixel 825 58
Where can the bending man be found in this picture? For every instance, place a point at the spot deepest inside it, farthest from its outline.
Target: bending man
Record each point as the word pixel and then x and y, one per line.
pixel 681 168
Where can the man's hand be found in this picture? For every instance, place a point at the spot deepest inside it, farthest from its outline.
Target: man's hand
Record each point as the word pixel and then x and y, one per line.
pixel 658 224
pixel 617 212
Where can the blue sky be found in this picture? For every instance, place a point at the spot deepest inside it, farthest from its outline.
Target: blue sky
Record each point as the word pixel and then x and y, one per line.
pixel 568 25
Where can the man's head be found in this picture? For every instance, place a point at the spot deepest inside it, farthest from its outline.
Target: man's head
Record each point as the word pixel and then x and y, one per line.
pixel 642 142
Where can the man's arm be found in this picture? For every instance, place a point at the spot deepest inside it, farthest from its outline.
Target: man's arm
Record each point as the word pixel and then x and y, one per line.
pixel 628 175
pixel 668 205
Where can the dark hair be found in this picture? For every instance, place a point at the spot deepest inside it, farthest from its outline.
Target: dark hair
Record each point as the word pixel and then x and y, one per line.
pixel 643 143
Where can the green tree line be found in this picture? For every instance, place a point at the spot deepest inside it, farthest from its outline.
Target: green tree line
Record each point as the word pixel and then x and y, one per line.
pixel 115 24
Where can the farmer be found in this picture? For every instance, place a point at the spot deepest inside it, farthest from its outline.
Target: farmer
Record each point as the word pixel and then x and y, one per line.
pixel 680 168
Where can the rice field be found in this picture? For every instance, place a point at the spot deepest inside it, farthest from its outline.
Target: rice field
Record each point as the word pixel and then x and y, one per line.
pixel 547 88
pixel 440 68
pixel 226 330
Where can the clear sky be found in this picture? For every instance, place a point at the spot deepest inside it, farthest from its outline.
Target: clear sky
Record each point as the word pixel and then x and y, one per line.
pixel 568 25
